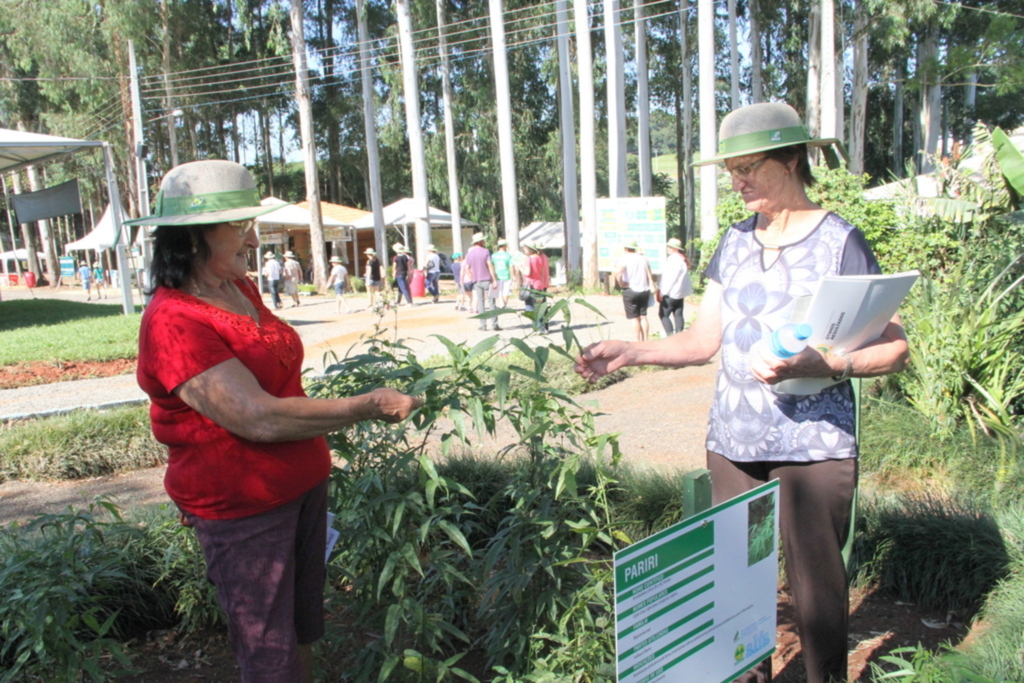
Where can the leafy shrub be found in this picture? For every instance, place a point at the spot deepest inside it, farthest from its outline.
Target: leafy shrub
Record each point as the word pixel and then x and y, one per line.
pixel 940 553
pixel 80 444
pixel 70 592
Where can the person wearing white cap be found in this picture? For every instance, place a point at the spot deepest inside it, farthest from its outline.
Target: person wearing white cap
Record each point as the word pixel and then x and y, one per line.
pixel 403 265
pixel 338 280
pixel 374 278
pixel 673 287
pixel 502 272
pixel 807 443
pixel 272 274
pixel 292 276
pixel 247 461
pixel 433 271
pixel 481 273
pixel 634 276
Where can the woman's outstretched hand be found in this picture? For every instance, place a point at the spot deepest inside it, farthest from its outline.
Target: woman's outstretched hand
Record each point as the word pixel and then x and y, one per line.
pixel 597 360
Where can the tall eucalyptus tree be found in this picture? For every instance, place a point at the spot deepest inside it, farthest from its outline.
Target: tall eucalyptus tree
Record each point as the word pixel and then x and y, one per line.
pixel 828 128
pixel 449 130
pixel 414 129
pixel 756 78
pixel 708 118
pixel 734 56
pixel 370 130
pixel 567 131
pixel 588 154
pixel 316 226
pixel 643 101
pixel 509 190
pixel 615 90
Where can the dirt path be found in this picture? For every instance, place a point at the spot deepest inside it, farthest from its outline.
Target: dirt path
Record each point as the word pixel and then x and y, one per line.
pixel 660 417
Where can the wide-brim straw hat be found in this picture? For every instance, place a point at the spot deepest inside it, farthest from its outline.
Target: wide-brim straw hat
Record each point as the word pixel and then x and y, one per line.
pixel 502 243
pixel 370 252
pixel 399 248
pixel 478 237
pixel 675 243
pixel 206 192
pixel 431 247
pixel 269 254
pixel 290 254
pixel 335 259
pixel 760 128
pixel 631 245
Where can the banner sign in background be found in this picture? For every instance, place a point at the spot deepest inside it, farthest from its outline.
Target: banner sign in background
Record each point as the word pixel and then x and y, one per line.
pixel 59 200
pixel 625 219
pixel 696 602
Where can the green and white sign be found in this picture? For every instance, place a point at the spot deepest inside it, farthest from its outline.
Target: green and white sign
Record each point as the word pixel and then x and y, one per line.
pixel 696 602
pixel 625 219
pixel 67 266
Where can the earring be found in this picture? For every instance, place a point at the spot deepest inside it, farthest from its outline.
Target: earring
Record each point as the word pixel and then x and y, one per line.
pixel 195 249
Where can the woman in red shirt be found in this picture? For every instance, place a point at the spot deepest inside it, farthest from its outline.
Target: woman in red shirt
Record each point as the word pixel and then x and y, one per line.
pixel 536 280
pixel 247 462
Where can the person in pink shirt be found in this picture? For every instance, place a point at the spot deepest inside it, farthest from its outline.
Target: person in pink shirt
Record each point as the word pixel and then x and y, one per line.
pixel 536 280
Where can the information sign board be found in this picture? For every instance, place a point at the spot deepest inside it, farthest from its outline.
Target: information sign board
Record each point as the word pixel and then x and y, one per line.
pixel 625 219
pixel 67 266
pixel 696 602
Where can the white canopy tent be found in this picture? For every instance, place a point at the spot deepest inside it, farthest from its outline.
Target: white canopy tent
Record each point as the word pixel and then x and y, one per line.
pixel 402 213
pixel 103 235
pixel 19 149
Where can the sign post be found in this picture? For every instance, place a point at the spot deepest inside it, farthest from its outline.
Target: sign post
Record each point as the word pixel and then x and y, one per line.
pixel 696 601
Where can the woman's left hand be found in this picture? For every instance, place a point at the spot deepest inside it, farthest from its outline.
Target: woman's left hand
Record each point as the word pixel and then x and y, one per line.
pixel 770 369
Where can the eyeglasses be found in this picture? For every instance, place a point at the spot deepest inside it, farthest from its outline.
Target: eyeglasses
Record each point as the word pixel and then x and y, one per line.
pixel 243 226
pixel 741 172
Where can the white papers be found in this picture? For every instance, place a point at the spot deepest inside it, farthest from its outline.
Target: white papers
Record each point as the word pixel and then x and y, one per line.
pixel 332 536
pixel 847 313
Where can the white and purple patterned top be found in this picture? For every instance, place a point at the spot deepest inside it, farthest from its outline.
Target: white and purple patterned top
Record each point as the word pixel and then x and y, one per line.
pixel 749 422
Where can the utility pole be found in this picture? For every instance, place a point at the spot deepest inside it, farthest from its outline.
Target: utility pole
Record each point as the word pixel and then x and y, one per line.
pixel 567 124
pixel 140 167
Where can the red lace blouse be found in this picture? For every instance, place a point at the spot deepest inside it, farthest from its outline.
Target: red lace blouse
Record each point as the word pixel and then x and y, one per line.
pixel 211 472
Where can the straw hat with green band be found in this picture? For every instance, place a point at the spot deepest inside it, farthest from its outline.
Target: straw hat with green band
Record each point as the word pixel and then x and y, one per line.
pixel 763 127
pixel 205 192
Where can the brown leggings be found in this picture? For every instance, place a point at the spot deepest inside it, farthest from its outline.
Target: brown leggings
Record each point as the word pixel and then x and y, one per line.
pixel 814 520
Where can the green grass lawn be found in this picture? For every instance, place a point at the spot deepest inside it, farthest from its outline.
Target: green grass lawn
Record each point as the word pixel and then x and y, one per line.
pixel 52 329
pixel 665 163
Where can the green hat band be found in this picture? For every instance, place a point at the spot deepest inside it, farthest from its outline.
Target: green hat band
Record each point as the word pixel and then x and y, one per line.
pixel 204 203
pixel 780 137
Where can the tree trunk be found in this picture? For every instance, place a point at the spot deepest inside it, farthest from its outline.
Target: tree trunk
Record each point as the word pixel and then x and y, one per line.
pixel 588 155
pixel 615 90
pixel 567 131
pixel 813 114
pixel 708 118
pixel 369 126
pixel 165 54
pixel 316 227
pixel 734 56
pixel 970 98
pixel 643 102
pixel 29 238
pixel 49 244
pixel 897 118
pixel 411 90
pixel 449 131
pixel 828 70
pixel 859 103
pixel 509 193
pixel 687 179
pixel 756 59
pixel 931 96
